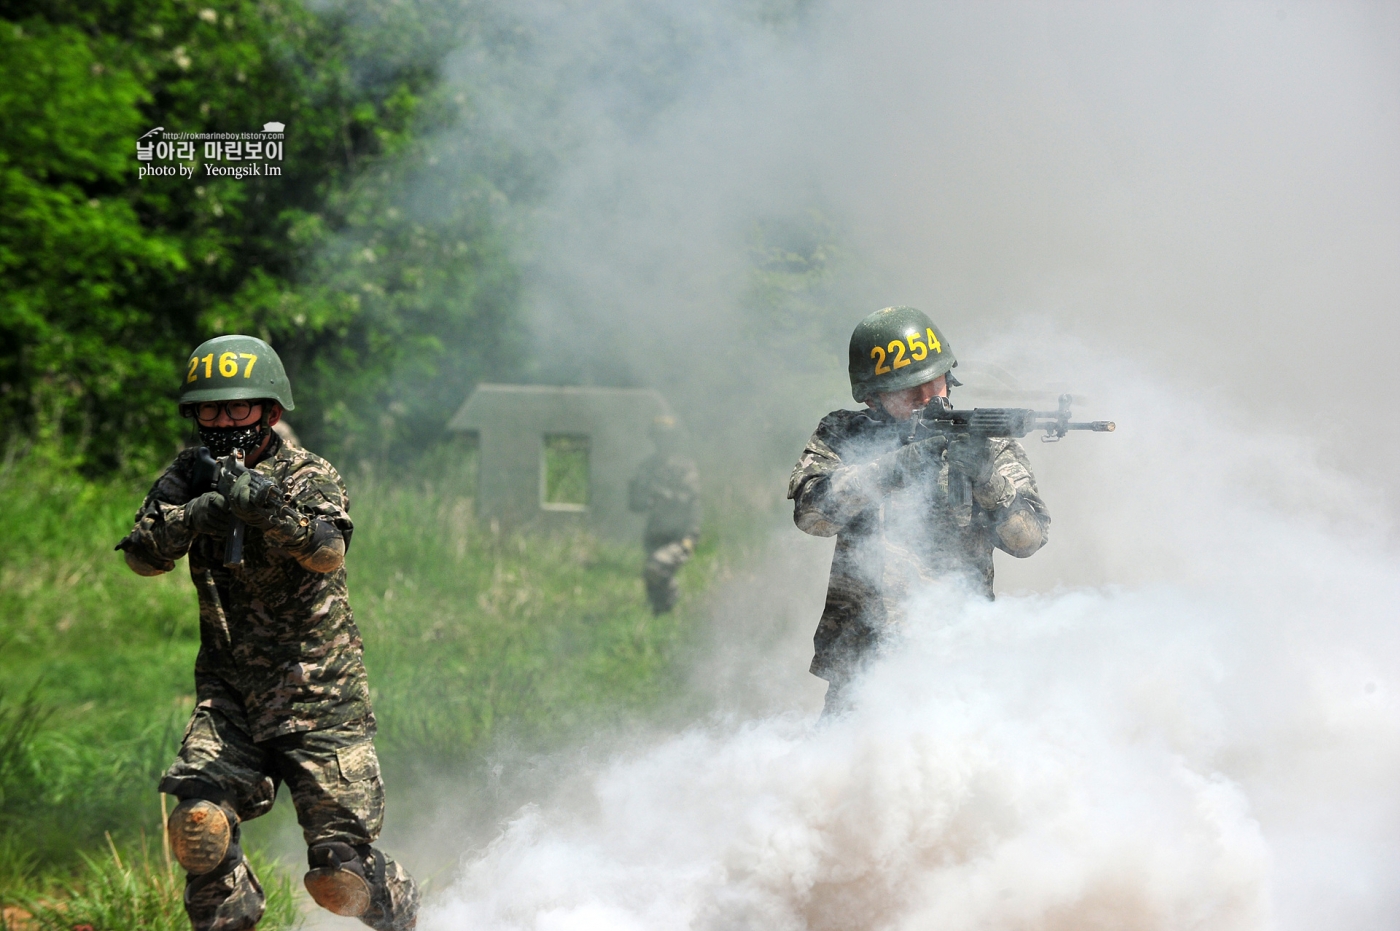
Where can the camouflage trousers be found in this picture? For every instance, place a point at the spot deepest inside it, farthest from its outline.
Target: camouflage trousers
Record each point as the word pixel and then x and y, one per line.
pixel 333 778
pixel 664 560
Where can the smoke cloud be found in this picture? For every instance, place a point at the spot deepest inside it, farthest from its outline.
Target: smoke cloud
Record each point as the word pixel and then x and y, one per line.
pixel 1183 712
pixel 1211 742
pixel 1208 188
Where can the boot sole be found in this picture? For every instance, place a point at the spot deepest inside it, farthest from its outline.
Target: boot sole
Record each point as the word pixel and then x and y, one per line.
pixel 199 835
pixel 339 891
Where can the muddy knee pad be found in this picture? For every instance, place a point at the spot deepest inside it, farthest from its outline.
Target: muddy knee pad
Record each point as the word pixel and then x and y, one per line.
pixel 201 834
pixel 227 898
pixel 338 880
pixel 361 882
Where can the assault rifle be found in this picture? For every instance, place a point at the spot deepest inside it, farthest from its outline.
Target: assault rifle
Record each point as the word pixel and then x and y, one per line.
pixel 939 419
pixel 208 472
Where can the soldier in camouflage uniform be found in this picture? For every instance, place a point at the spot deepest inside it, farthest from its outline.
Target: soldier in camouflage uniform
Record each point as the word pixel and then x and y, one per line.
pixel 903 515
pixel 280 684
pixel 667 488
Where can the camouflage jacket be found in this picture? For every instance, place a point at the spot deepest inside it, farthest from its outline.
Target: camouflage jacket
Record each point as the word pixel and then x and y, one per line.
pixel 886 544
pixel 277 641
pixel 667 487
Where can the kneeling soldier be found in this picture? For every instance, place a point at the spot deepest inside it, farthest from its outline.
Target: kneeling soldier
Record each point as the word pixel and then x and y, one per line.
pixel 280 684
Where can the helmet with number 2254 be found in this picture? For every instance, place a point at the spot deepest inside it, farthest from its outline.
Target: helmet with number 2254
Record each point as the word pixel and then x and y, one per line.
pixel 232 368
pixel 894 349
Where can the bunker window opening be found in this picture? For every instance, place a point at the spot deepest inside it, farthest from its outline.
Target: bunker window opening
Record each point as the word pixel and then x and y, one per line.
pixel 564 472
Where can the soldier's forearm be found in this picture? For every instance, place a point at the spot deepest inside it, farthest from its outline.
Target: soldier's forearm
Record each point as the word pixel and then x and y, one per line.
pixel 140 566
pixel 316 544
pixel 159 539
pixel 825 504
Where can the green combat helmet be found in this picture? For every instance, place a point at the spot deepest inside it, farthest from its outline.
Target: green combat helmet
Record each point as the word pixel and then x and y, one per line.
pixel 233 368
pixel 897 348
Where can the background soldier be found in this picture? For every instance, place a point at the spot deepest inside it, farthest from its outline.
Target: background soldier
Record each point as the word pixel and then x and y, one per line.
pixel 903 514
pixel 281 687
pixel 667 487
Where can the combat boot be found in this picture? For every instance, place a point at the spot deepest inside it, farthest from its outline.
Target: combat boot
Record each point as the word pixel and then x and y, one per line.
pixel 394 904
pixel 229 898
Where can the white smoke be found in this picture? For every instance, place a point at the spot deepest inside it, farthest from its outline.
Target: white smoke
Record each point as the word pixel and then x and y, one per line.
pixel 1187 713
pixel 1213 745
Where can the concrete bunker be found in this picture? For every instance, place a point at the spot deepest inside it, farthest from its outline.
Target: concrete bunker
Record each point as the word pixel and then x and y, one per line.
pixel 559 457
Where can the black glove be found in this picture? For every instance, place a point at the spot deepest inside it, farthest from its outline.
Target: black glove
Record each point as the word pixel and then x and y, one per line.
pixel 972 457
pixel 897 469
pixel 256 498
pixel 209 514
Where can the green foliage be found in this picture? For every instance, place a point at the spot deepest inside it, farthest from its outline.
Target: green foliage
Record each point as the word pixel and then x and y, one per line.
pixel 77 629
pixel 566 469
pixel 139 891
pixel 107 281
pixel 795 333
pixel 74 254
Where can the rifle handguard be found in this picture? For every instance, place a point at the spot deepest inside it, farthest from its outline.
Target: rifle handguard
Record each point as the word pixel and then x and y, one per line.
pixel 1005 422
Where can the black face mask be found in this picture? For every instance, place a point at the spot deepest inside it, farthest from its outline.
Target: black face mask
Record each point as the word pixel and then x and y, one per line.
pixel 222 441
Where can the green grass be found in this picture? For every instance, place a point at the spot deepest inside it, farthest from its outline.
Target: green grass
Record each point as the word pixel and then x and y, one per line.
pixel 140 889
pixel 467 632
pixel 469 636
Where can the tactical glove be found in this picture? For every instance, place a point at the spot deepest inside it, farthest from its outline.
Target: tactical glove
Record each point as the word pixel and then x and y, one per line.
pixel 852 489
pixel 257 499
pixel 971 457
pixel 209 514
pixel 893 471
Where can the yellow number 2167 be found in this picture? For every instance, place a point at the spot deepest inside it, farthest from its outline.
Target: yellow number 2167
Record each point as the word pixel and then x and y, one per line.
pixel 228 365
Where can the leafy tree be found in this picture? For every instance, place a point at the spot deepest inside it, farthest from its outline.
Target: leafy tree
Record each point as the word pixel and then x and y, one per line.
pixel 107 281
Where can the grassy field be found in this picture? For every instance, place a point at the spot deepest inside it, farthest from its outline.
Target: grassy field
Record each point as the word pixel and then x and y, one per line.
pixel 468 635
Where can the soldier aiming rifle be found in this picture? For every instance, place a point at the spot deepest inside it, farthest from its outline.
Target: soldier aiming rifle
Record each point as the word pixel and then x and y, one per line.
pixel 914 491
pixel 281 690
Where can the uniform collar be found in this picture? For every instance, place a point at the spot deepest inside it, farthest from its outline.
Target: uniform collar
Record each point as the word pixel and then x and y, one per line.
pixel 876 415
pixel 275 448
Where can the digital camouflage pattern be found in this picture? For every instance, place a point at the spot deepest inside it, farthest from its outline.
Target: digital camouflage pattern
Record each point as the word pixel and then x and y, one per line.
pixel 332 775
pixel 281 689
pixel 333 778
pixel 667 487
pixel 887 543
pixel 278 643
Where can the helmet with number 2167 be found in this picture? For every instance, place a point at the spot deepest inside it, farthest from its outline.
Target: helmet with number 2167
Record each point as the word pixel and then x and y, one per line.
pixel 232 368
pixel 896 348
